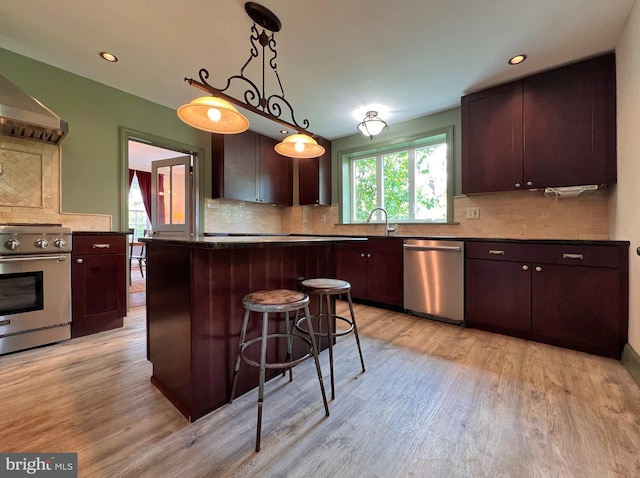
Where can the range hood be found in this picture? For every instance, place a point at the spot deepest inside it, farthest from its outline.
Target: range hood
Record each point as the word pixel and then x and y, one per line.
pixel 25 117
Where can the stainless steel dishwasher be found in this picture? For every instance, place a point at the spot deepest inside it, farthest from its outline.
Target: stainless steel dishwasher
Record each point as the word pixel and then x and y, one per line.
pixel 434 279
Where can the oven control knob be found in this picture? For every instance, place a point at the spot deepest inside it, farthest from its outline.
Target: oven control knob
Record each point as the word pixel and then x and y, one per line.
pixel 12 244
pixel 41 244
pixel 60 243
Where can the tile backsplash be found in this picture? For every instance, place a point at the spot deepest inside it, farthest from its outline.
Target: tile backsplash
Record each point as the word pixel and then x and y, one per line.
pixel 30 187
pixel 512 215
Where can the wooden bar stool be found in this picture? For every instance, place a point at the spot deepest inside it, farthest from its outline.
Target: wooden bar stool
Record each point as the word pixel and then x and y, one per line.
pixel 274 301
pixel 325 288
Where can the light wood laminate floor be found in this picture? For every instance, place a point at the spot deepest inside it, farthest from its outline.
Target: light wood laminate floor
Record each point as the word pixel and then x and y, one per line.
pixel 437 400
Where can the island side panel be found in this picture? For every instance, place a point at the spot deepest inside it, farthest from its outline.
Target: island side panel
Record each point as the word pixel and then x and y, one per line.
pixel 169 322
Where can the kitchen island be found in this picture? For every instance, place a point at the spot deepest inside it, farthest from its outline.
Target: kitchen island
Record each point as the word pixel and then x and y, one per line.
pixel 194 308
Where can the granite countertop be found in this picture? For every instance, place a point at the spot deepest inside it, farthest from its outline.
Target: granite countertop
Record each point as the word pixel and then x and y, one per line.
pixel 238 242
pixel 216 241
pixel 100 233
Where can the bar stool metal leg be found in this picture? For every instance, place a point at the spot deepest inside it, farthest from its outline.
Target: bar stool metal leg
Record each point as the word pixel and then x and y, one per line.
pixel 236 368
pixel 263 361
pixel 355 329
pixel 317 360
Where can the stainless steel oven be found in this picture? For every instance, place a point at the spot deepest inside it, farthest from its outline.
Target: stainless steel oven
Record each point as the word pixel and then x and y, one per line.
pixel 35 285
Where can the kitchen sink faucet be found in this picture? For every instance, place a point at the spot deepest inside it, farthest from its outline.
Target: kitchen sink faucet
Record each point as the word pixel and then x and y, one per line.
pixel 388 229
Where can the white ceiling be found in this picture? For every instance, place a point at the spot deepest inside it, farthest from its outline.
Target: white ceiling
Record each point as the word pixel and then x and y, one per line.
pixel 415 56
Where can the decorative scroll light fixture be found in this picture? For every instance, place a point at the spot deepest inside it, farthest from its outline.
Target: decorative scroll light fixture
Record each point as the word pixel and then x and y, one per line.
pixel 217 114
pixel 372 125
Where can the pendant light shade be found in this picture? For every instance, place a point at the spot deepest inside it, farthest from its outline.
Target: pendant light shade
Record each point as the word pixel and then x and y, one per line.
pixel 299 146
pixel 372 125
pixel 214 115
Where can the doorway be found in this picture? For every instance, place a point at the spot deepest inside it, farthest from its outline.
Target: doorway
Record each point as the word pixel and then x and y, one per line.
pixel 149 202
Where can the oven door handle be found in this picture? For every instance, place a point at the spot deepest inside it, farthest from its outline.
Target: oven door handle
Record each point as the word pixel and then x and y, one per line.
pixel 60 258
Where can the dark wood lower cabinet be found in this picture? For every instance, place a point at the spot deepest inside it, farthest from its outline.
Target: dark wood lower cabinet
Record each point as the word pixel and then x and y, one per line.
pixel 374 270
pixel 538 292
pixel 98 283
pixel 580 308
pixel 498 296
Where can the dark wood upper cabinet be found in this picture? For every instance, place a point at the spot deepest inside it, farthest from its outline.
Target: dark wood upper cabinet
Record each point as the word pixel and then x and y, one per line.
pixel 570 125
pixel 557 128
pixel 314 178
pixel 247 168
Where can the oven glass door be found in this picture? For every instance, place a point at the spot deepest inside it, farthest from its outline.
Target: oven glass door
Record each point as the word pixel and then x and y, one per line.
pixel 21 292
pixel 35 292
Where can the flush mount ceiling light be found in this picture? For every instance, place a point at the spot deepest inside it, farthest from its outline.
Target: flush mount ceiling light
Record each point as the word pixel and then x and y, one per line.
pixel 516 60
pixel 216 113
pixel 372 125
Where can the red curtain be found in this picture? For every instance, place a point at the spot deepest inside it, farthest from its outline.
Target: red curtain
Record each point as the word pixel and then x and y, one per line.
pixel 132 173
pixel 144 181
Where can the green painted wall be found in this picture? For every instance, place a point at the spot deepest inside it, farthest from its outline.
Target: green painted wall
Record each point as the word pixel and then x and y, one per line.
pixel 397 133
pixel 91 152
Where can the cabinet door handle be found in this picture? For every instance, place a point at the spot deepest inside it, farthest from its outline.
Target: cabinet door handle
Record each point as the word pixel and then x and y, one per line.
pixel 538 269
pixel 529 183
pixel 368 255
pixel 517 185
pixel 362 255
pixel 525 267
pixel 494 252
pixel 572 256
pixel 101 246
pixel 79 261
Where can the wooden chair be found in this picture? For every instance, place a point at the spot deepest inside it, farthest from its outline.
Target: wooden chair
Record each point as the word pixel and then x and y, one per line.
pixel 141 258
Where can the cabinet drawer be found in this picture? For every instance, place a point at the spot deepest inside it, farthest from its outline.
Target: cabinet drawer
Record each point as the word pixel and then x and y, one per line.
pixel 588 256
pixel 99 244
pixel 561 254
pixel 502 251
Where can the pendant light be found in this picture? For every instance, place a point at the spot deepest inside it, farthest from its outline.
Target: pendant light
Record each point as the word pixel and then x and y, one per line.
pixel 372 125
pixel 213 114
pixel 217 114
pixel 299 146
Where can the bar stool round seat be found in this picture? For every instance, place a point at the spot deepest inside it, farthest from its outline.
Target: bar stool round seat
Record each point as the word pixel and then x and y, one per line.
pixel 271 302
pixel 325 288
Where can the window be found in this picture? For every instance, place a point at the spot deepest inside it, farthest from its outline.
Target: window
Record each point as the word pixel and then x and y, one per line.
pixel 138 218
pixel 412 181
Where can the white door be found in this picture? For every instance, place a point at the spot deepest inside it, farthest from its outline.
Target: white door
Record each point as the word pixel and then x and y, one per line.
pixel 171 192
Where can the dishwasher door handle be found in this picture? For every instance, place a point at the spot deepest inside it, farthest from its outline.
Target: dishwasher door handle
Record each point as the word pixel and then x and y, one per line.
pixel 411 248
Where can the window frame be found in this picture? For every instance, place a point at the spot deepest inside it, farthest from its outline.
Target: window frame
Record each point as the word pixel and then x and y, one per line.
pixel 423 139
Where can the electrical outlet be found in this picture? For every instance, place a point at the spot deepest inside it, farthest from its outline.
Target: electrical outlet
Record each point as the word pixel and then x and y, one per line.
pixel 323 218
pixel 473 213
pixel 247 215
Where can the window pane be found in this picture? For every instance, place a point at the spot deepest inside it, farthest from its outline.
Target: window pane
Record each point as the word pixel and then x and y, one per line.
pixel 177 194
pixel 164 195
pixel 365 192
pixel 431 183
pixel 395 169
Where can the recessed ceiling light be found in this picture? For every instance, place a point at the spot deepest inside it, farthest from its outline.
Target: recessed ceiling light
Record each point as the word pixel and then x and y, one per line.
pixel 516 60
pixel 284 131
pixel 108 56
